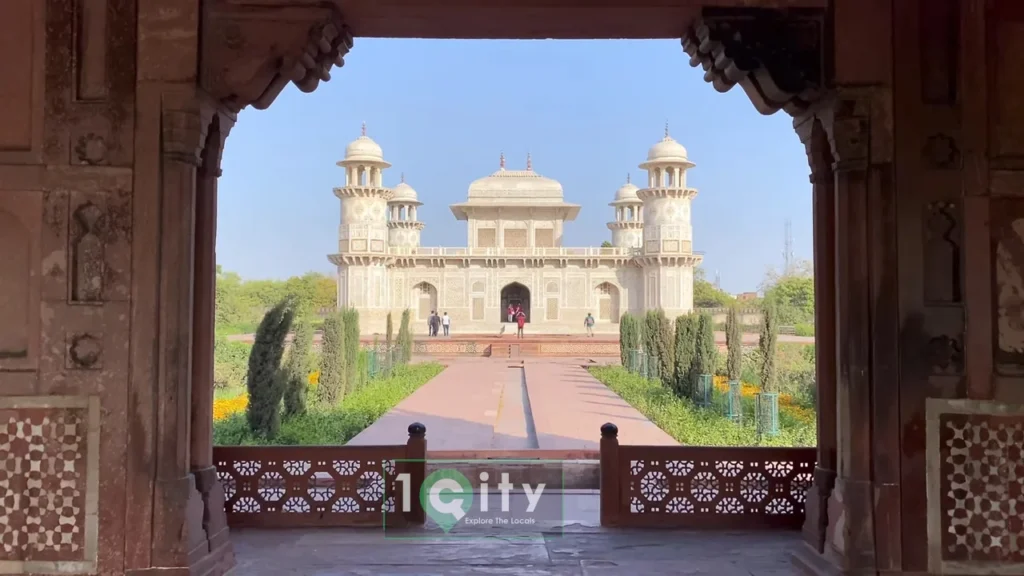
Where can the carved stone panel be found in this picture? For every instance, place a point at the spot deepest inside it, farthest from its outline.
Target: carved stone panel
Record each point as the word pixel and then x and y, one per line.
pixel 1008 298
pixel 975 486
pixel 49 485
pixel 22 47
pixel 87 253
pixel 1007 81
pixel 943 282
pixel 20 220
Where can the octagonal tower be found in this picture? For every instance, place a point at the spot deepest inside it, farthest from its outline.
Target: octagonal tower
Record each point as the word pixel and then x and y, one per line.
pixel 403 226
pixel 667 255
pixel 628 226
pixel 363 232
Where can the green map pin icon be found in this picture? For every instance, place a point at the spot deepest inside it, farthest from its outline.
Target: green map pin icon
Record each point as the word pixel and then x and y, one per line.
pixel 446 496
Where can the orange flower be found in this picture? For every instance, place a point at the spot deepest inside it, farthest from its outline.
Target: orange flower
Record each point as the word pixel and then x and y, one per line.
pixel 226 407
pixel 314 378
pixel 787 403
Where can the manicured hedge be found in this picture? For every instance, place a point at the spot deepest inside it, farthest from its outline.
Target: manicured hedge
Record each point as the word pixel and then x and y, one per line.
pixel 691 425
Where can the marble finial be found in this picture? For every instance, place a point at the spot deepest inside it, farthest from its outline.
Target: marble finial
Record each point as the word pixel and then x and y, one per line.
pixel 628 180
pixel 666 129
pixel 364 128
pixel 501 161
pixel 403 178
pixel 529 162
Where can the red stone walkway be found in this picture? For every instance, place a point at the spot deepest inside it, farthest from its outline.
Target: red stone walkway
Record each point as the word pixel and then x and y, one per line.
pixel 494 404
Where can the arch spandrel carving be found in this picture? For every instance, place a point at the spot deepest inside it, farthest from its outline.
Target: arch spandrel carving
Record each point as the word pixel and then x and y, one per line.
pixel 253 49
pixel 777 57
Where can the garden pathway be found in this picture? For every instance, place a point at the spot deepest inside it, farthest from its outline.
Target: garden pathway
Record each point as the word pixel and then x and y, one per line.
pixel 497 404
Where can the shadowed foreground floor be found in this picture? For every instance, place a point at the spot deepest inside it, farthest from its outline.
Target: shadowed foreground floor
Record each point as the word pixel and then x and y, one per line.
pixel 575 547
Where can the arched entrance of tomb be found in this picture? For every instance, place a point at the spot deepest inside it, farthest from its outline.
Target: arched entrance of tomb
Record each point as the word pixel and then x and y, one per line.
pixel 515 295
pixel 607 297
pixel 424 298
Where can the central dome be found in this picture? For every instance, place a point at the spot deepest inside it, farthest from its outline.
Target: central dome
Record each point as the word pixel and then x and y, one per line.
pixel 516 185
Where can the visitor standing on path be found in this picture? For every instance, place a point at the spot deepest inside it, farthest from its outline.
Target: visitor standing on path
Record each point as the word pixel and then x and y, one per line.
pixel 430 324
pixel 589 323
pixel 520 322
pixel 435 321
pixel 446 321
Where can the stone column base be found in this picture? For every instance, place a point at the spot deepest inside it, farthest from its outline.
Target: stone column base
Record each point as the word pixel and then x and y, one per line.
pixel 816 522
pixel 219 556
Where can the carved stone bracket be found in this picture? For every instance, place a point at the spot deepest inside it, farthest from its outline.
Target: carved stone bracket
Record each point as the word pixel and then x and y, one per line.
pixel 253 48
pixel 777 57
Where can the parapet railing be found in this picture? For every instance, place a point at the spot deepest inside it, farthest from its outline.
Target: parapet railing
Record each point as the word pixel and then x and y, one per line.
pixel 703 487
pixel 304 486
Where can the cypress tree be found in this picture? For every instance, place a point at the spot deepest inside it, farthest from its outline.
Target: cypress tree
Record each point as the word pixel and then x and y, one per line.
pixel 353 378
pixel 734 343
pixel 297 368
pixel 766 346
pixel 629 339
pixel 332 361
pixel 265 380
pixel 405 336
pixel 705 352
pixel 666 349
pixel 684 353
pixel 389 333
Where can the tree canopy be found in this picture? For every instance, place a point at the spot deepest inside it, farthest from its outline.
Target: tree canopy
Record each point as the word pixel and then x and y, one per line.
pixel 240 304
pixel 706 294
pixel 792 293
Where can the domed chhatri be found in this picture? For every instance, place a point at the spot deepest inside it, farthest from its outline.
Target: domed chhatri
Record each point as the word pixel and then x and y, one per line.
pixel 403 192
pixel 514 256
pixel 364 149
pixel 667 150
pixel 627 192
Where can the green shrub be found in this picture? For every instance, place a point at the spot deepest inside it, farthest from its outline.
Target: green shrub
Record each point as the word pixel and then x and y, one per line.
pixel 804 329
pixel 331 388
pixel 297 367
pixel 766 346
pixel 389 333
pixel 335 425
pixel 230 363
pixel 689 425
pixel 684 353
pixel 734 344
pixel 265 380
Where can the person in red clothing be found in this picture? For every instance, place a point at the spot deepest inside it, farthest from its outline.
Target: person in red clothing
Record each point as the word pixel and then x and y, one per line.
pixel 511 313
pixel 520 322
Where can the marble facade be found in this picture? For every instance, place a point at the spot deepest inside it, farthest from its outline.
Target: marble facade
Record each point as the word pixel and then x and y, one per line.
pixel 514 252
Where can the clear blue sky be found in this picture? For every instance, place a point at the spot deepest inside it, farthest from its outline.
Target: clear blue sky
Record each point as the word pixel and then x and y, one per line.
pixel 443 111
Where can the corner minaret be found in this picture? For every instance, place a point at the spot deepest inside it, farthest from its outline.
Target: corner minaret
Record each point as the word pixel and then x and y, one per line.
pixel 363 232
pixel 403 226
pixel 627 228
pixel 667 256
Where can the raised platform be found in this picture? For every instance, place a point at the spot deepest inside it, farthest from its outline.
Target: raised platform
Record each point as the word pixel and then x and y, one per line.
pixel 508 346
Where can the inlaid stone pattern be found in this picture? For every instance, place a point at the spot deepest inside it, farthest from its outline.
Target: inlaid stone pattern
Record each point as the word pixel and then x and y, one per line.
pixel 48 485
pixel 981 478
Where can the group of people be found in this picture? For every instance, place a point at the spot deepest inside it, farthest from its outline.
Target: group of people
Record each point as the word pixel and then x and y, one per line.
pixel 435 323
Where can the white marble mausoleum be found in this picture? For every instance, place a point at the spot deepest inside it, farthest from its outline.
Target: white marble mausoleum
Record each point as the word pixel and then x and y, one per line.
pixel 514 251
